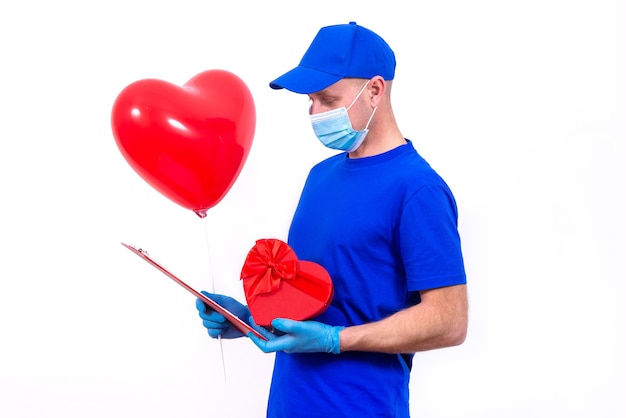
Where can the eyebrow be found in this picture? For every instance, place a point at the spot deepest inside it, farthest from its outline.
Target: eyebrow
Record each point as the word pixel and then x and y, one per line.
pixel 319 93
pixel 326 92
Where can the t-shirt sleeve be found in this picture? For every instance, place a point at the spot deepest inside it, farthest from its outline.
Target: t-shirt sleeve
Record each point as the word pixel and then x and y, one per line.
pixel 429 239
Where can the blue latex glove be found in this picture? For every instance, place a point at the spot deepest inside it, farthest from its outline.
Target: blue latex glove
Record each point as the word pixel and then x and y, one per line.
pixel 299 337
pixel 216 323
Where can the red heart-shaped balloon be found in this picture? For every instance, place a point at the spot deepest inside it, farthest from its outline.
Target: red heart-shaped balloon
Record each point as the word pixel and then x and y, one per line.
pixel 189 143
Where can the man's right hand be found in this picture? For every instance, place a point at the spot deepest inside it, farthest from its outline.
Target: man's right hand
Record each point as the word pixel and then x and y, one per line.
pixel 215 323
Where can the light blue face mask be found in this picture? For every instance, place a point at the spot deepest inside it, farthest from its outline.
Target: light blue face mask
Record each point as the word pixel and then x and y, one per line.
pixel 334 129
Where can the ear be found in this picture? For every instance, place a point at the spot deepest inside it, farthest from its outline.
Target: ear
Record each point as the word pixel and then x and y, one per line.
pixel 376 90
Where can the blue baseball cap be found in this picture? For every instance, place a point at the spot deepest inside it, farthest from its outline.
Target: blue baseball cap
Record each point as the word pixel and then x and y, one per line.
pixel 339 51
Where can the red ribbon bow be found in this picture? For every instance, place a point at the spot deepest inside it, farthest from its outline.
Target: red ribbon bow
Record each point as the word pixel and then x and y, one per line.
pixel 269 262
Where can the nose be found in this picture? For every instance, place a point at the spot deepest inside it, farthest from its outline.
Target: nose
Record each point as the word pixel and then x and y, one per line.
pixel 313 109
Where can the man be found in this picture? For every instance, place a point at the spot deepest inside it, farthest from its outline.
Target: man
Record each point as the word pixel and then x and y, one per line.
pixel 383 224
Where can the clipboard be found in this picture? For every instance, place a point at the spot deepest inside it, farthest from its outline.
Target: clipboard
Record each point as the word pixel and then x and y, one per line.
pixel 232 318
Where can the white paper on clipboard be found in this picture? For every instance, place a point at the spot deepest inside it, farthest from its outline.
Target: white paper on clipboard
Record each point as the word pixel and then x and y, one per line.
pixel 232 318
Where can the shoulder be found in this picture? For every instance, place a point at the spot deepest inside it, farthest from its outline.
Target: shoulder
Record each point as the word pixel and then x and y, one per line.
pixel 414 171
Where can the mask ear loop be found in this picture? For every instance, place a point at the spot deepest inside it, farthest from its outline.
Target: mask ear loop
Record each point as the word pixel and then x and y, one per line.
pixel 371 116
pixel 358 95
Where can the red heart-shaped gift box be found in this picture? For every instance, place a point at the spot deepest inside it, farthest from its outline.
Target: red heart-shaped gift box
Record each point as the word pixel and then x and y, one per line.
pixel 278 285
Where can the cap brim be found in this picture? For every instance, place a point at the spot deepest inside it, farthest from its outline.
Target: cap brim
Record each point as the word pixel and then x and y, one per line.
pixel 304 80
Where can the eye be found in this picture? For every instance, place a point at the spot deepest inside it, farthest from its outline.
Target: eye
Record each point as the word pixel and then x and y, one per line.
pixel 320 102
pixel 327 100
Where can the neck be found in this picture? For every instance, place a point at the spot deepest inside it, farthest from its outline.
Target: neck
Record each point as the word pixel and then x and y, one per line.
pixel 377 144
pixel 383 135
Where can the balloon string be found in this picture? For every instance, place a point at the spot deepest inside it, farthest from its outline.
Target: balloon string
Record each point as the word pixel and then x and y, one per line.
pixel 208 246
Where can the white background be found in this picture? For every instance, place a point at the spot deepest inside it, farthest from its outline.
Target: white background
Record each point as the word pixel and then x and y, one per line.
pixel 514 103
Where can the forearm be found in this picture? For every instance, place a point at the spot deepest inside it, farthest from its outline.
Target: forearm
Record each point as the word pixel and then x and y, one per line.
pixel 440 320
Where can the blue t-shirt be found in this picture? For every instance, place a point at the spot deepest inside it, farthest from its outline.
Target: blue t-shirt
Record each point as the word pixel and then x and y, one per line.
pixel 384 227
